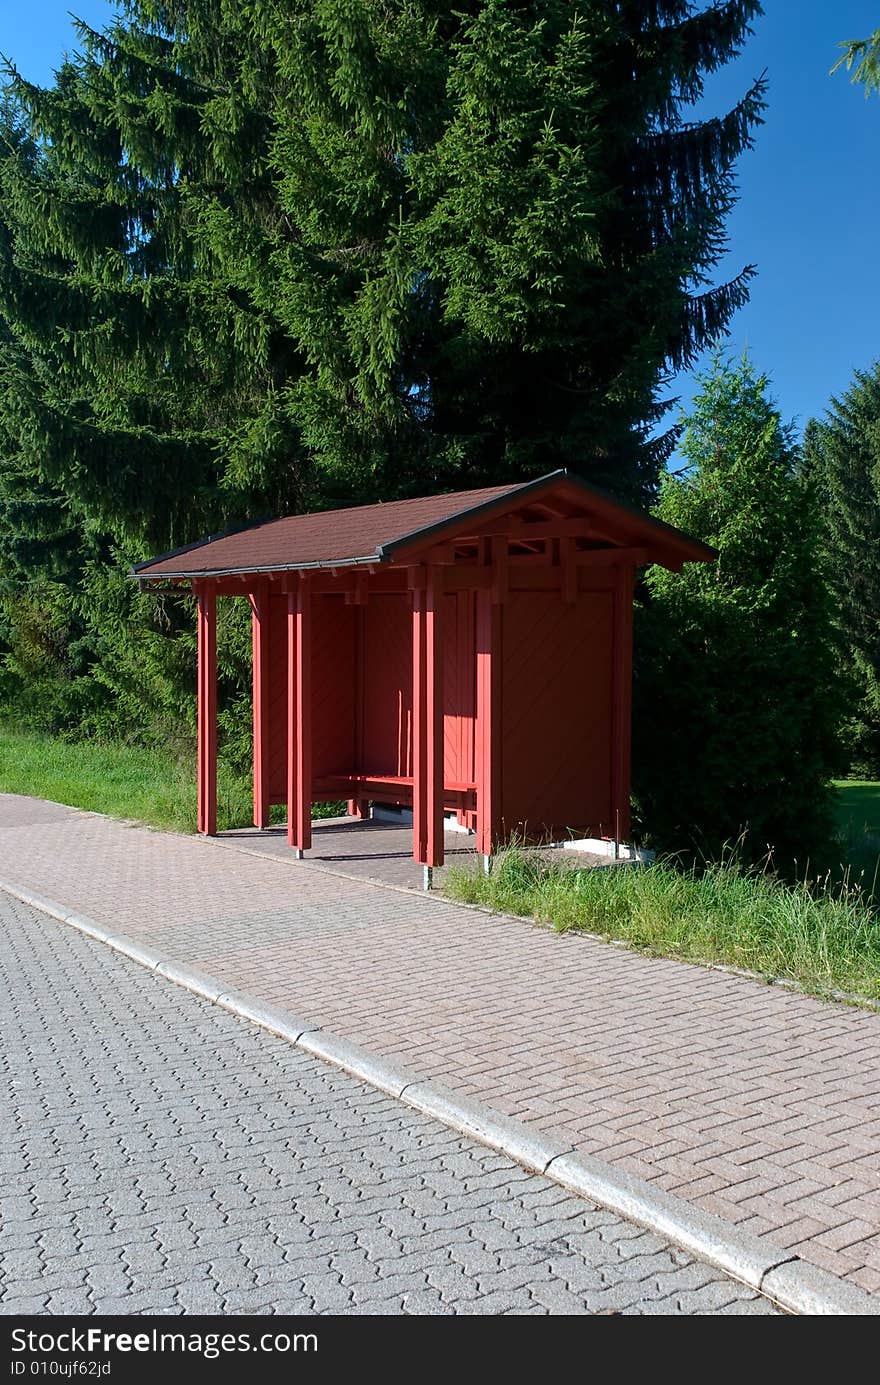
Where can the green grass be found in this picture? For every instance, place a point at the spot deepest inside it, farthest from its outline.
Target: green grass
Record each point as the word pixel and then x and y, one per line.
pixel 125 781
pixel 857 810
pixel 824 937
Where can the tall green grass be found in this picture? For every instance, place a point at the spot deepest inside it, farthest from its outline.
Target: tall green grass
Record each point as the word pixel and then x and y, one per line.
pixel 823 936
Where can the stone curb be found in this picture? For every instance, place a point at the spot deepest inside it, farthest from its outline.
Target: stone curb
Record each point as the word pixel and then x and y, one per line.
pixel 805 1288
pixel 369 1067
pixel 271 1017
pixel 746 1257
pixel 794 1284
pixel 472 1118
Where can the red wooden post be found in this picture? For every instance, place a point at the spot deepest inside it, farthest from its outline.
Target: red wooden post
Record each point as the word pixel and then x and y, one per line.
pixel 299 716
pixel 259 599
pixel 356 805
pixel 621 714
pixel 292 729
pixel 488 729
pixel 207 708
pixel 465 693
pixel 428 722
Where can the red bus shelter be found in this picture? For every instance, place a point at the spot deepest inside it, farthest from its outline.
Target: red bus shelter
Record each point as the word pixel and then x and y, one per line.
pixel 466 653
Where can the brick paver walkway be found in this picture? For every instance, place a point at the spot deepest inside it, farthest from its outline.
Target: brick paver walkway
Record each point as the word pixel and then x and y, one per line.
pixel 172 1159
pixel 757 1103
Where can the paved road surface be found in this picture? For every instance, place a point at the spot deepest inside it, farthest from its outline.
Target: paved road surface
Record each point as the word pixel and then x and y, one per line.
pixel 757 1104
pixel 159 1156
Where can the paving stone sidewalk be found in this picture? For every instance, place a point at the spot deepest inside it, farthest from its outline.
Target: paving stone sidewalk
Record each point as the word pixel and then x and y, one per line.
pixel 159 1156
pixel 758 1104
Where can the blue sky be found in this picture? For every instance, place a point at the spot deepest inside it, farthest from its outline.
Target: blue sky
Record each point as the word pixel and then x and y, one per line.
pixel 809 210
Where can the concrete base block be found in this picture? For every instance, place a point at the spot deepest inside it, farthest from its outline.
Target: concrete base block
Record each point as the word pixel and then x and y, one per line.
pixel 615 851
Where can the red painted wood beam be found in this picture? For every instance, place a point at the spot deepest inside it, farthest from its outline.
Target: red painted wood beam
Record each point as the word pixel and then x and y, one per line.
pixel 292 728
pixel 207 708
pixel 428 720
pixel 356 805
pixel 488 728
pixel 569 571
pixel 299 715
pixel 621 741
pixel 500 570
pixel 259 599
pixel 419 724
pixel 518 530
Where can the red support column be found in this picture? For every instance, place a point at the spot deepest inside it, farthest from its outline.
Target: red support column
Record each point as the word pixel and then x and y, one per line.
pixel 259 599
pixel 299 716
pixel 207 708
pixel 622 702
pixel 428 722
pixel 357 806
pixel 488 729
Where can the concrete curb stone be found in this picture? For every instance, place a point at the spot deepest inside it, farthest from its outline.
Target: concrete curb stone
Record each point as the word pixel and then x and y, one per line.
pixel 355 1061
pixel 512 1137
pixel 739 1253
pixel 199 982
pixel 804 1288
pixel 271 1017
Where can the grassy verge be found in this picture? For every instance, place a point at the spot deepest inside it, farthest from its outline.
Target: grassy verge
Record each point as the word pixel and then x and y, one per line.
pixel 857 809
pixel 824 939
pixel 126 781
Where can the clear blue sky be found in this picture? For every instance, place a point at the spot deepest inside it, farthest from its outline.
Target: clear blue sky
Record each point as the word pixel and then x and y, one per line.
pixel 809 210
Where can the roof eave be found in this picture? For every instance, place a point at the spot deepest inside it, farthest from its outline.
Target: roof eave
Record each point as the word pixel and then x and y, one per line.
pixel 321 565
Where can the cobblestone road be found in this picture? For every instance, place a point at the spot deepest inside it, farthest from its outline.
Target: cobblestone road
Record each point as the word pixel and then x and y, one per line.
pixel 159 1156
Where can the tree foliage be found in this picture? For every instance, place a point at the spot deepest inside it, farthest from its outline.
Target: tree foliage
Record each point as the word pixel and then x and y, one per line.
pixel 381 243
pixel 738 698
pixel 861 57
pixel 260 255
pixel 842 451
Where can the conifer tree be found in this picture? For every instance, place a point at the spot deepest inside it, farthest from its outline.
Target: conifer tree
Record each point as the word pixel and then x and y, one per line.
pixel 271 251
pixel 739 702
pixel 842 451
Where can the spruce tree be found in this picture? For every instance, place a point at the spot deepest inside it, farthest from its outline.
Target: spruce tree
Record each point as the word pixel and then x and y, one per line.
pixel 842 451
pixel 275 254
pixel 738 698
pixel 270 252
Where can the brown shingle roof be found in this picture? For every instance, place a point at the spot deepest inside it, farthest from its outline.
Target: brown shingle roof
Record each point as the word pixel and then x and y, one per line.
pixel 369 533
pixel 322 539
